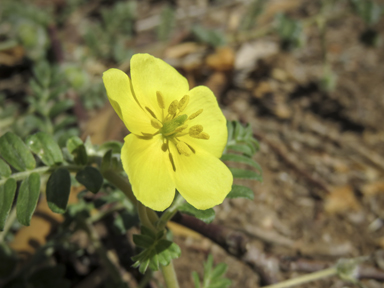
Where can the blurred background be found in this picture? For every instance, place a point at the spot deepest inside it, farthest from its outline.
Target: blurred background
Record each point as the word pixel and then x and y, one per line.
pixel 308 75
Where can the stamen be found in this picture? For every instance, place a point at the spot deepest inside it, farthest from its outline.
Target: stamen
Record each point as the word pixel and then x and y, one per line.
pixel 156 124
pixel 202 135
pixel 160 99
pixel 173 107
pixel 183 148
pixel 181 128
pixel 195 130
pixel 150 112
pixel 190 147
pixel 183 103
pixel 194 115
pixel 172 162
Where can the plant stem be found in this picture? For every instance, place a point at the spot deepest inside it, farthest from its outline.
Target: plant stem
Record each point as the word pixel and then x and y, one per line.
pixel 171 211
pixel 144 219
pixel 40 170
pixel 121 183
pixel 8 224
pixel 305 278
pixel 170 276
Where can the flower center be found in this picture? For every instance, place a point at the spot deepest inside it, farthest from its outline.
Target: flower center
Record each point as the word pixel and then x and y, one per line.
pixel 174 125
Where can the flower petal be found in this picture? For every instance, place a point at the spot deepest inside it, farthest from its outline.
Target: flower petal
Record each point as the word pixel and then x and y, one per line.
pixel 122 99
pixel 201 178
pixel 212 120
pixel 149 171
pixel 149 75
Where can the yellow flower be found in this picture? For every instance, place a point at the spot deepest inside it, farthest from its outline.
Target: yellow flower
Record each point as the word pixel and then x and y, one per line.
pixel 177 135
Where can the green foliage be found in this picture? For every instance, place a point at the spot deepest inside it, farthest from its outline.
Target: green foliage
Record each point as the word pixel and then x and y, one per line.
pixel 167 21
pixel 213 38
pixel 240 139
pixel 58 189
pixel 368 10
pixel 77 149
pixel 213 276
pixel 255 9
pixel 91 178
pixel 5 170
pixel 290 32
pixel 44 146
pixel 157 250
pixel 29 192
pixel 239 191
pixel 109 39
pixel 7 194
pixel 206 216
pixel 15 152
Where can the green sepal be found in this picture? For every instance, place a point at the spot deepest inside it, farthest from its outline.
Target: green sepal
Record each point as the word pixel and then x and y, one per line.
pixel 7 194
pixel 157 251
pixel 206 216
pixel 29 192
pixel 44 146
pixel 58 189
pixel 16 153
pixel 245 174
pixel 91 178
pixel 5 170
pixel 239 191
pixel 76 147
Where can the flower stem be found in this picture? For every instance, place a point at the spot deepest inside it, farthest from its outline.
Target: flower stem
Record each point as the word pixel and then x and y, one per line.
pixel 144 219
pixel 170 276
pixel 121 183
pixel 170 212
pixel 305 278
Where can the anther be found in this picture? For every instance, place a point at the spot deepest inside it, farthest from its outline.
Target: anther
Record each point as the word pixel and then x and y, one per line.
pixel 151 112
pixel 183 102
pixel 156 123
pixel 195 130
pixel 160 99
pixel 183 148
pixel 173 107
pixel 202 135
pixel 194 115
pixel 181 128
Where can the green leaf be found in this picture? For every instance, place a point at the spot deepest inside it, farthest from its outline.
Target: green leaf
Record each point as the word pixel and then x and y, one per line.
pixel 157 251
pixel 58 189
pixel 206 216
pixel 68 120
pixel 245 174
pixel 239 191
pixel 27 200
pixel 241 159
pixel 91 178
pixel 5 170
pixel 44 146
pixel 212 276
pixel 76 147
pixel 242 148
pixel 115 146
pixel 7 194
pixel 60 106
pixel 16 153
pixel 219 270
pixel 196 279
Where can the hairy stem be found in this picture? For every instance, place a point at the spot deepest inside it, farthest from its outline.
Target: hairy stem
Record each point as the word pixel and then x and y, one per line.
pixel 305 278
pixel 170 276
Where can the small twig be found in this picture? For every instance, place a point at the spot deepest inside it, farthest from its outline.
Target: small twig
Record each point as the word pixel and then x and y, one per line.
pixel 304 279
